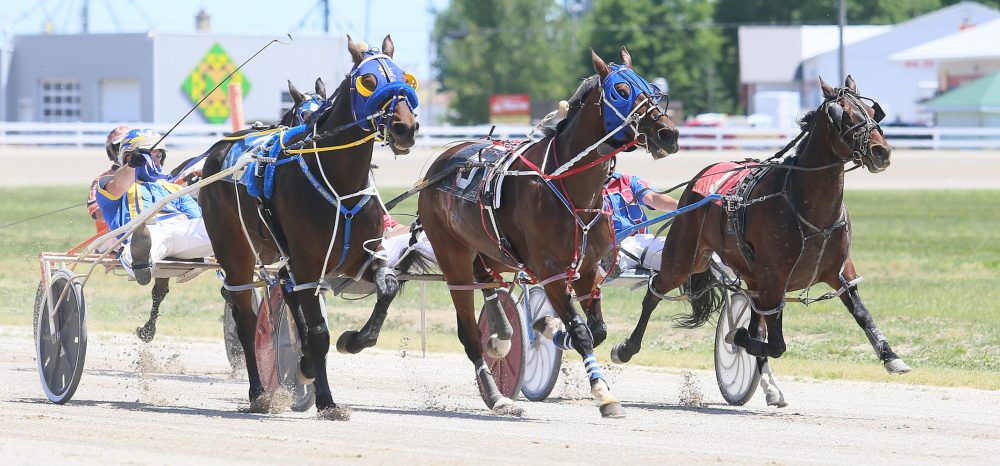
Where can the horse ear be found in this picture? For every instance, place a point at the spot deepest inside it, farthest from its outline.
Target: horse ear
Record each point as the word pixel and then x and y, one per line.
pixel 320 88
pixel 356 53
pixel 297 97
pixel 850 84
pixel 387 46
pixel 626 57
pixel 828 91
pixel 600 66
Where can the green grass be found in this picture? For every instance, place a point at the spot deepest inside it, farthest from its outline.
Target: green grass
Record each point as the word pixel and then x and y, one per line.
pixel 931 262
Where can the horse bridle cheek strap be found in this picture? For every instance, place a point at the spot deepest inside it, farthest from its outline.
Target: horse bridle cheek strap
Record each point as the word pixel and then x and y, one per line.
pixel 860 133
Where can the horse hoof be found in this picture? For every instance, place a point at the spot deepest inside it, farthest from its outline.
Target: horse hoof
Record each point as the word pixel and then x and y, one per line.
pixel 775 398
pixel 620 354
pixel 260 405
pixel 897 366
pixel 741 338
pixel 301 376
pixel 342 342
pixel 145 334
pixel 506 407
pixel 335 413
pixel 497 348
pixel 612 410
pixel 731 336
pixel 547 326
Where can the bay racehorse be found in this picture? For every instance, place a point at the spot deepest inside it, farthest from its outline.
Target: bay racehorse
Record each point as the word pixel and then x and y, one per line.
pixel 550 223
pixel 784 228
pixel 312 208
pixel 190 170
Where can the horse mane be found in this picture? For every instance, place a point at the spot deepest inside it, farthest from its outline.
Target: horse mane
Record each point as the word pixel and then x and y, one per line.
pixel 805 124
pixel 339 97
pixel 286 118
pixel 575 103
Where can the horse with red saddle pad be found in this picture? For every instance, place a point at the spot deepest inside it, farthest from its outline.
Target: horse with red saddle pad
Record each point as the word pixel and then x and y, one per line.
pixel 781 225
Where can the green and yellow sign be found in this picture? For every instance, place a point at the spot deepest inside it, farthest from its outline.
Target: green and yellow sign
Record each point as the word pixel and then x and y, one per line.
pixel 213 68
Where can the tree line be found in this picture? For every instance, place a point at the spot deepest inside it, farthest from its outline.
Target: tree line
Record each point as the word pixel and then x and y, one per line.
pixel 539 47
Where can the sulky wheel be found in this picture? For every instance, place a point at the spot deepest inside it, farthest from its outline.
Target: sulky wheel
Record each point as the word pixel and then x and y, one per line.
pixel 61 341
pixel 288 351
pixel 735 369
pixel 509 370
pixel 278 351
pixel 543 359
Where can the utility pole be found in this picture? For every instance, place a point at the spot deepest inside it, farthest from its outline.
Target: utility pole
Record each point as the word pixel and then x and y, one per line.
pixel 368 10
pixel 841 22
pixel 326 17
pixel 84 26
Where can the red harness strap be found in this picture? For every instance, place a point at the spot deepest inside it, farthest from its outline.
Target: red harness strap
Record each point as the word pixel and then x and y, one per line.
pixel 600 160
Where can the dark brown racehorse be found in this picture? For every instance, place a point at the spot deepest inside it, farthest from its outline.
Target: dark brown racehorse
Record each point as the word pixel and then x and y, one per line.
pixel 797 231
pixel 302 219
pixel 303 106
pixel 541 231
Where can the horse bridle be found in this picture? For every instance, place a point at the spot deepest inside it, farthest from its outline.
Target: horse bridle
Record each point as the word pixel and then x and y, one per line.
pixel 640 92
pixel 859 133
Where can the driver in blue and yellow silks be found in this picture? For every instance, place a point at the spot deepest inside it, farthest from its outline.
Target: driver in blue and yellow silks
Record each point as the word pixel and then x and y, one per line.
pixel 137 184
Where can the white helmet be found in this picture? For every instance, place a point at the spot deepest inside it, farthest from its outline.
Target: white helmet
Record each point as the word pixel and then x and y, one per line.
pixel 138 139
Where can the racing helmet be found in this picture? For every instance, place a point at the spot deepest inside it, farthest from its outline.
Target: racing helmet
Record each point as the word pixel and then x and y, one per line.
pixel 113 141
pixel 141 140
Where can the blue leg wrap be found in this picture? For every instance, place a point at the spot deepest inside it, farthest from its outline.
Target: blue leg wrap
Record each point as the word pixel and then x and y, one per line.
pixel 593 367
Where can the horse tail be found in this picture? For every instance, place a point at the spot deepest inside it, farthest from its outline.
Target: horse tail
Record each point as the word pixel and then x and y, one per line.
pixel 706 297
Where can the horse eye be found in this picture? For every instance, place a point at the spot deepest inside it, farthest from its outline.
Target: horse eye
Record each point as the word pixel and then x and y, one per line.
pixel 622 91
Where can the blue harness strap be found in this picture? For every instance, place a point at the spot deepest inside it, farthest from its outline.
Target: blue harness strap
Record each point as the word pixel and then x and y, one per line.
pixel 347 213
pixel 348 216
pixel 625 232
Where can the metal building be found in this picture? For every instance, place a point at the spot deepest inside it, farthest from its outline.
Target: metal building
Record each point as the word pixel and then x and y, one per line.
pixel 151 77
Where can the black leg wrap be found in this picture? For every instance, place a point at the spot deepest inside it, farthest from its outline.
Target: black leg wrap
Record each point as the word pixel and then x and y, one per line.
pixel 752 345
pixel 599 330
pixel 582 339
pixel 386 283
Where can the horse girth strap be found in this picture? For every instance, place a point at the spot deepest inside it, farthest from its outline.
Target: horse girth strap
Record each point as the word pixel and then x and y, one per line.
pixel 737 211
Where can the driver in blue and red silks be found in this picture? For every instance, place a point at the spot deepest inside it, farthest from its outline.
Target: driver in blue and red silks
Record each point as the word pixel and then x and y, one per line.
pixel 626 195
pixel 178 230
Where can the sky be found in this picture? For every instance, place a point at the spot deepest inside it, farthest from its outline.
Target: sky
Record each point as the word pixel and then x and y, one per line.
pixel 409 21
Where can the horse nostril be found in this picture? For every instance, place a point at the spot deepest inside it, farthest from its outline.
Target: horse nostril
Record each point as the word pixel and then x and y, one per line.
pixel 399 128
pixel 667 134
pixel 880 151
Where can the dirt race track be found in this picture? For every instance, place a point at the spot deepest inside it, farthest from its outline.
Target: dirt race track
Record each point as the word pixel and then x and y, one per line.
pixel 175 402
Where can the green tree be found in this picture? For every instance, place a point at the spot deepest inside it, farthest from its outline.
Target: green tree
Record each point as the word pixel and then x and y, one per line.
pixel 499 47
pixel 669 38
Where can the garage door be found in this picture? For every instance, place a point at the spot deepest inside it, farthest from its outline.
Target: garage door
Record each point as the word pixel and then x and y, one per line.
pixel 120 100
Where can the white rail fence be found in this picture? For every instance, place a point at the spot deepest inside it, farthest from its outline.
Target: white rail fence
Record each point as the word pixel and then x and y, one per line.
pixel 703 138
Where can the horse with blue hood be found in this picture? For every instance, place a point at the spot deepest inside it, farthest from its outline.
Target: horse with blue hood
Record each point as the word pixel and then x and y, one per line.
pixel 310 206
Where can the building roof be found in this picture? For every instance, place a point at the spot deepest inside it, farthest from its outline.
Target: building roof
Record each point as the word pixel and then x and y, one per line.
pixel 981 95
pixel 977 42
pixel 774 53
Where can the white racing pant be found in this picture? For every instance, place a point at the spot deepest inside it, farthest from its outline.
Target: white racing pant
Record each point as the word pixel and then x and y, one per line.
pixel 176 238
pixel 648 248
pixel 397 245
